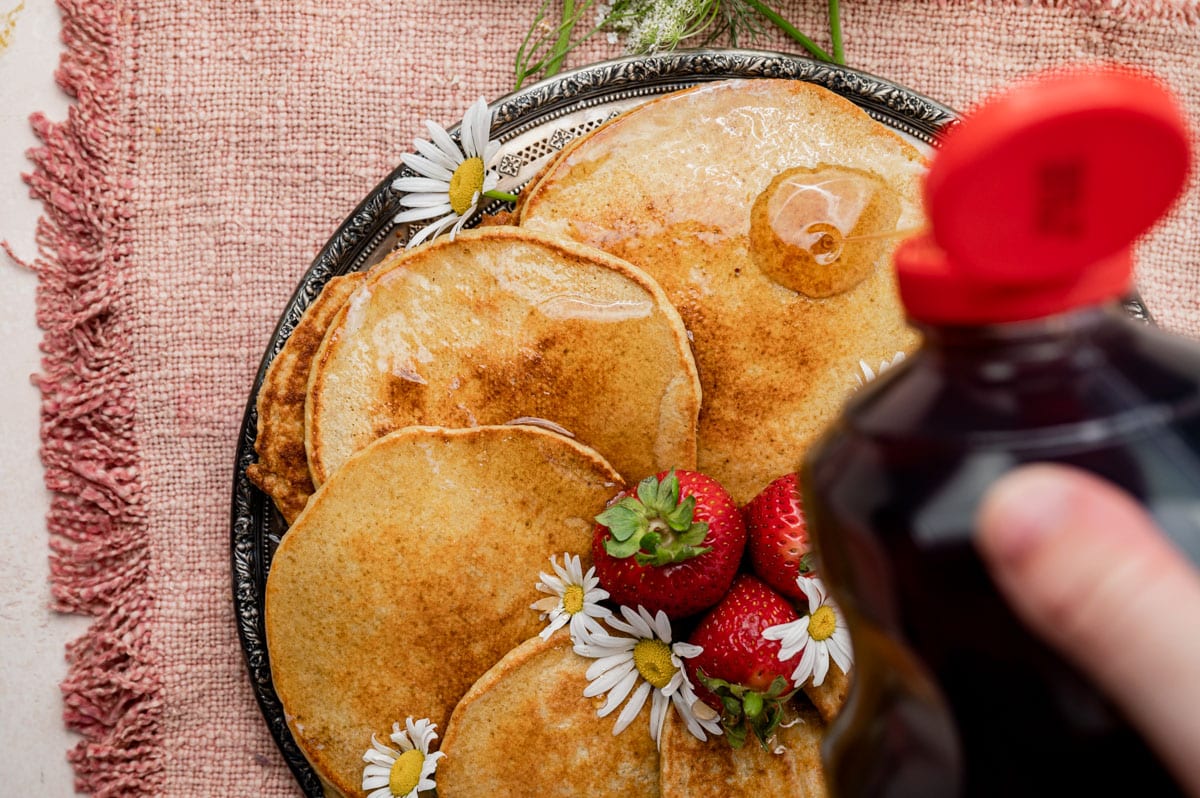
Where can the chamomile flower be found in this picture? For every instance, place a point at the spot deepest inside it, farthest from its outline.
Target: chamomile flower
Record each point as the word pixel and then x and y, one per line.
pixel 820 635
pixel 574 598
pixel 645 664
pixel 402 774
pixel 451 180
pixel 866 373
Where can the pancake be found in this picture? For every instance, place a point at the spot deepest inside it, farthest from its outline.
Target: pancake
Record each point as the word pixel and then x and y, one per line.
pixel 410 574
pixel 525 729
pixel 693 769
pixel 767 210
pixel 505 324
pixel 282 468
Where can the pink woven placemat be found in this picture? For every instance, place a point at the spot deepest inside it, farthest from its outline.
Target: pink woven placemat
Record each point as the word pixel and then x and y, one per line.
pixel 212 149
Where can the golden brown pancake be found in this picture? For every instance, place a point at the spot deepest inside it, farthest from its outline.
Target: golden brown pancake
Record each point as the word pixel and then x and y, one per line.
pixel 792 767
pixel 282 468
pixel 831 696
pixel 506 324
pixel 410 573
pixel 525 729
pixel 672 185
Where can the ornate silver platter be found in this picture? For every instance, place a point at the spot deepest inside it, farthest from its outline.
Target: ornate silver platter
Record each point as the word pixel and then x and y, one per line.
pixel 532 125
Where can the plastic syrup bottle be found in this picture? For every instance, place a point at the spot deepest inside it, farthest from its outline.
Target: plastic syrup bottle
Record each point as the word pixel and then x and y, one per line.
pixel 1034 202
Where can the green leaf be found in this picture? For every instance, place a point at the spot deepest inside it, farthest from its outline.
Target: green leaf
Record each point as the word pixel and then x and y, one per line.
pixel 623 522
pixel 647 491
pixel 668 492
pixel 679 517
pixel 695 534
pixel 621 548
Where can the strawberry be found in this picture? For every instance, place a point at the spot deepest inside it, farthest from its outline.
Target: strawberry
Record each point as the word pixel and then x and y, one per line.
pixel 739 672
pixel 673 544
pixel 777 536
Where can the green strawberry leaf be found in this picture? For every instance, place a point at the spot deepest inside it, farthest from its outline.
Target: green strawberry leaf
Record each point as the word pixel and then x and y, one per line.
pixel 624 521
pixel 806 563
pixel 621 549
pixel 679 517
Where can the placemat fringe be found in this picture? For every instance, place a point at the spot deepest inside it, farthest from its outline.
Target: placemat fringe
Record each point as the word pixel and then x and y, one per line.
pixel 99 553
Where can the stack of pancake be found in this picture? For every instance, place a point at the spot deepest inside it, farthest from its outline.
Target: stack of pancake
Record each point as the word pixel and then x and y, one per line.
pixel 692 285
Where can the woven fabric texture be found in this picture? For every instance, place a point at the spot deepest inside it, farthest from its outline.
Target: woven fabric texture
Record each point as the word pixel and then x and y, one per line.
pixel 212 149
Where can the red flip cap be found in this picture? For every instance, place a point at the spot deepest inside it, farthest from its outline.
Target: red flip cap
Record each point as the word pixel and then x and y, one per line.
pixel 1036 198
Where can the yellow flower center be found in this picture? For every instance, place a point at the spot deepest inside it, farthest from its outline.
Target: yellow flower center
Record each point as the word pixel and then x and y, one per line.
pixel 466 181
pixel 822 623
pixel 653 661
pixel 406 772
pixel 573 599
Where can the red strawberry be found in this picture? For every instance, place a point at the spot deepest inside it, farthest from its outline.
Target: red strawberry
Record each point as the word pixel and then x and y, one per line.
pixel 777 536
pixel 673 544
pixel 739 671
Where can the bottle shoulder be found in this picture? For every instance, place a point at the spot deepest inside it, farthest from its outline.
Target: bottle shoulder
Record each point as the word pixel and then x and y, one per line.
pixel 1122 374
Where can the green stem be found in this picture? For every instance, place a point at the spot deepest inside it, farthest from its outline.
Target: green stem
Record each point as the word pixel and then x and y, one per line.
pixel 500 195
pixel 563 43
pixel 835 32
pixel 789 29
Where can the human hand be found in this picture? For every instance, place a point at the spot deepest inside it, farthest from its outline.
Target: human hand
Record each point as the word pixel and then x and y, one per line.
pixel 1087 569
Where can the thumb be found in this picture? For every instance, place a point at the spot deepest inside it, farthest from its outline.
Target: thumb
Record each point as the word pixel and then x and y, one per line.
pixel 1086 568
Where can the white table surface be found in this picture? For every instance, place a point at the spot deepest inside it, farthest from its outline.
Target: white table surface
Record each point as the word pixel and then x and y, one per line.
pixel 32 637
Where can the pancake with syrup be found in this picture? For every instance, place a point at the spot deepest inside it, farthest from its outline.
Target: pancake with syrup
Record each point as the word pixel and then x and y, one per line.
pixel 282 468
pixel 502 325
pixel 525 728
pixel 767 211
pixel 410 574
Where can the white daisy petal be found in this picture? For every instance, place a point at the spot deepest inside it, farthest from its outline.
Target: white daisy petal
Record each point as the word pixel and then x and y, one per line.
pixel 374 782
pixel 662 626
pixel 619 692
pixel 822 665
pixel 840 653
pixel 443 142
pixel 641 622
pixel 382 792
pixel 687 650
pixel 658 713
pixel 426 168
pixel 493 149
pixel 458 226
pixel 805 668
pixel 609 679
pixel 466 133
pixel 424 200
pixel 547 604
pixel 631 710
pixel 556 624
pixel 419 214
pixel 430 231
pixel 423 184
pixel 435 154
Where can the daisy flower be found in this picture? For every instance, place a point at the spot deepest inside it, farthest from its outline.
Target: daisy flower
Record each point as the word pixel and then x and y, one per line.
pixel 450 180
pixel 402 774
pixel 821 634
pixel 645 664
pixel 574 597
pixel 866 373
